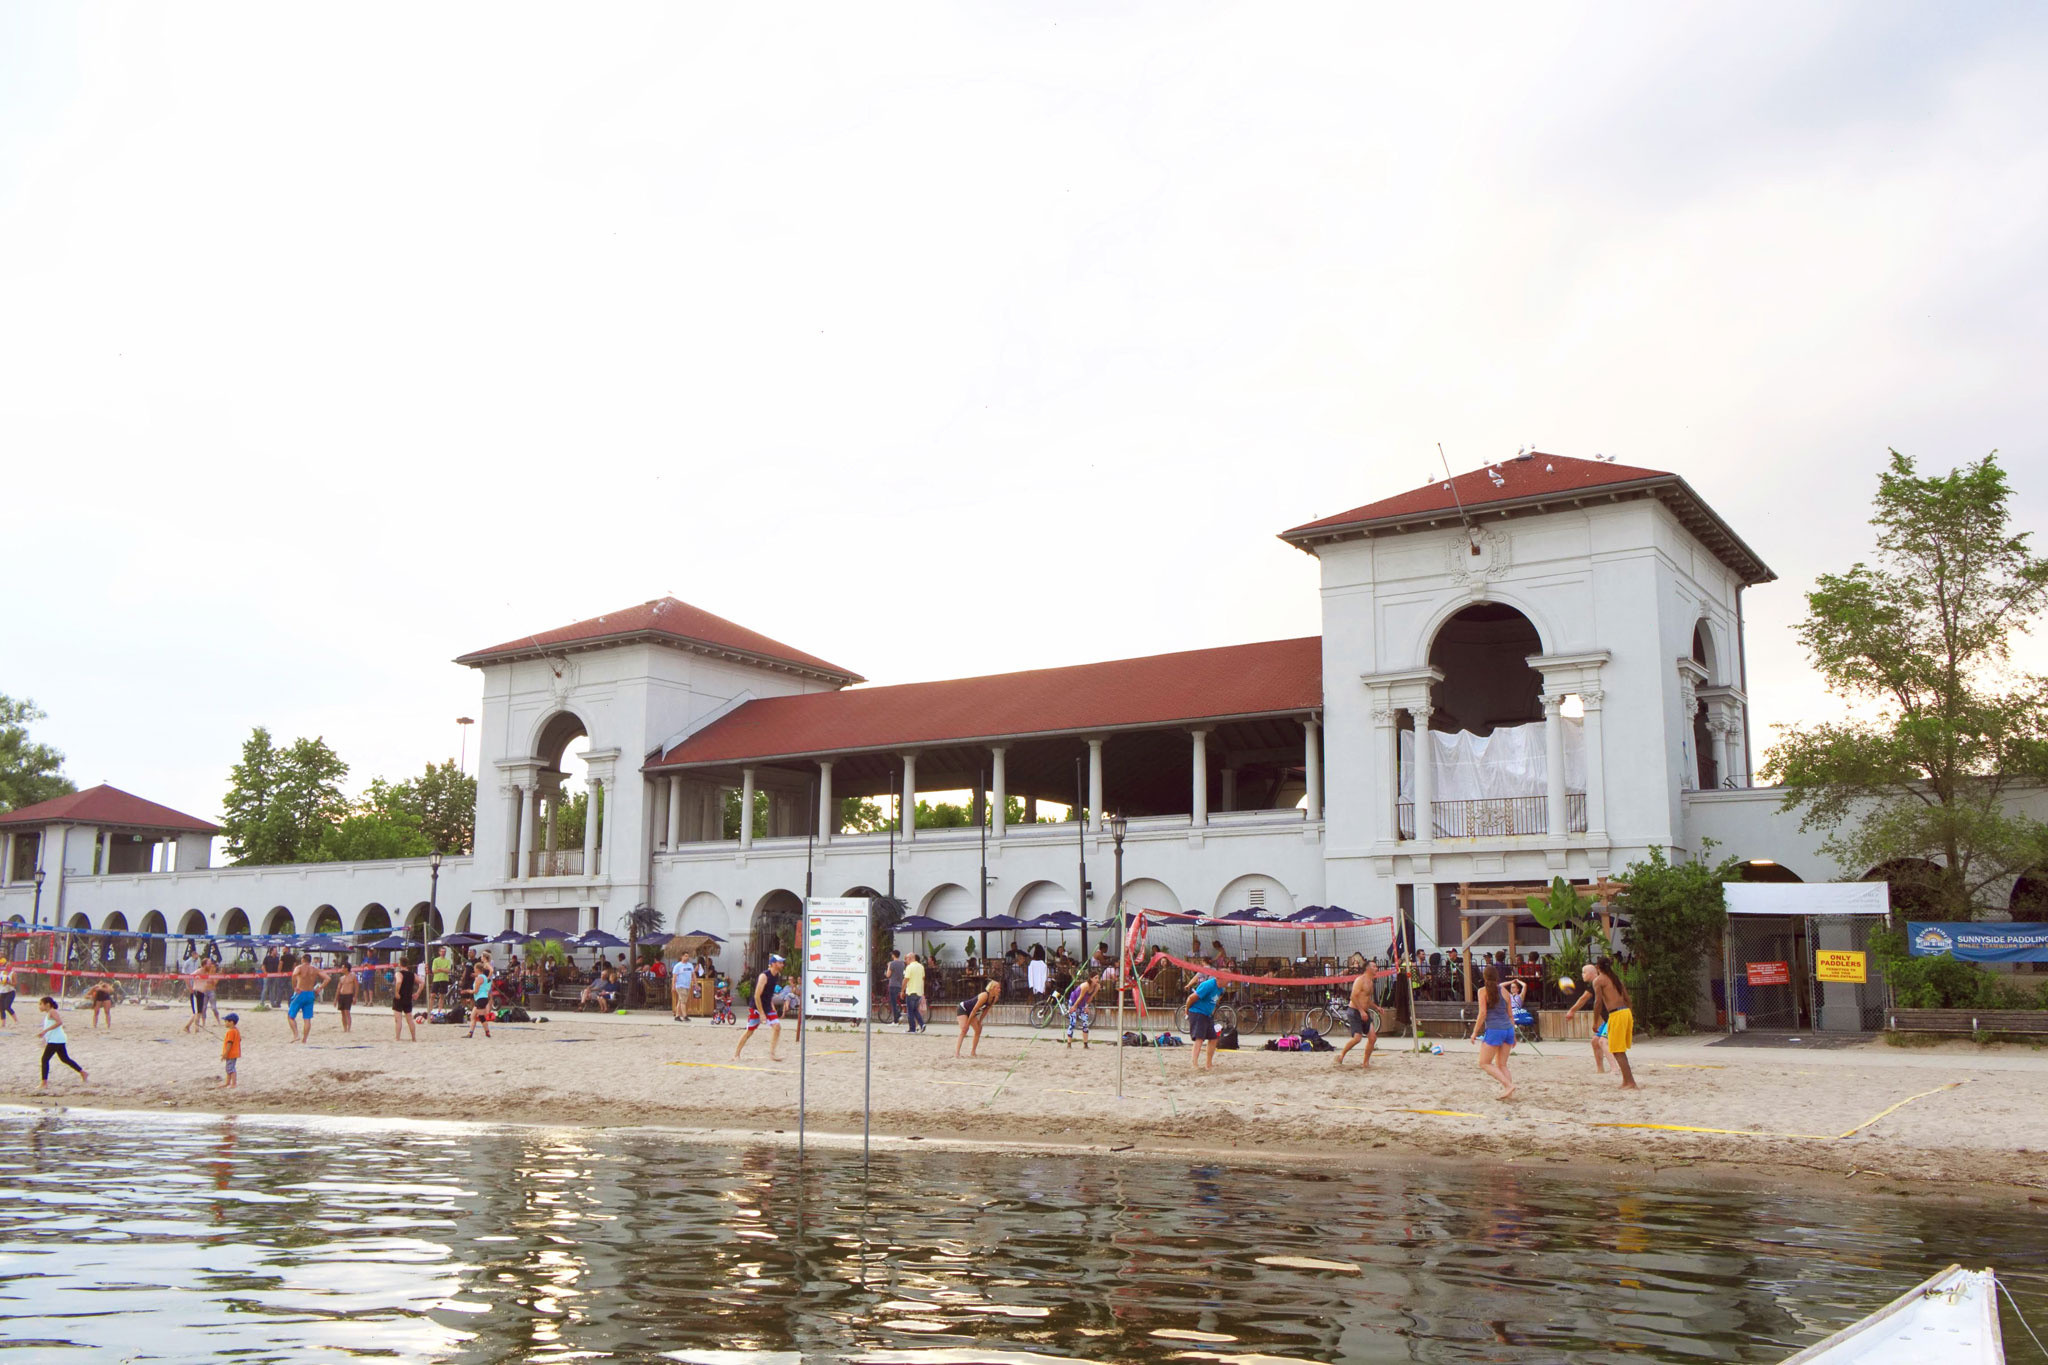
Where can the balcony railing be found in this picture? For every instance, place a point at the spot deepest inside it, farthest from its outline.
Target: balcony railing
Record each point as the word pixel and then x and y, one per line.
pixel 1495 817
pixel 563 862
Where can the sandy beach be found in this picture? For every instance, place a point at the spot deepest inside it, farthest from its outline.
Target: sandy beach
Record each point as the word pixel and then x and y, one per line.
pixel 1956 1117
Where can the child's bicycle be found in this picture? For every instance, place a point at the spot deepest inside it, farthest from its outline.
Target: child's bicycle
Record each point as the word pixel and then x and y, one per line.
pixel 721 1008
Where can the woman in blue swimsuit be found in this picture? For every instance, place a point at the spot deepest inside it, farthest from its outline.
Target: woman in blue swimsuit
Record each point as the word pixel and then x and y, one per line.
pixel 1495 1031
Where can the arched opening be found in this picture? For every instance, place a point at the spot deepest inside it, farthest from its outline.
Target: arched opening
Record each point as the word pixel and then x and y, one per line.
pixel 235 921
pixel 1148 893
pixel 562 817
pixel 462 920
pixel 280 921
pixel 1766 870
pixel 705 911
pixel 423 914
pixel 1483 754
pixel 326 920
pixel 777 918
pixel 193 924
pixel 150 955
pixel 1042 898
pixel 1254 893
pixel 1915 886
pixel 373 916
pixel 2029 899
pixel 1483 653
pixel 1703 650
pixel 116 950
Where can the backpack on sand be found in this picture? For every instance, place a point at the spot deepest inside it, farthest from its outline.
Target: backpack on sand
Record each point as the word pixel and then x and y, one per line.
pixel 1226 1038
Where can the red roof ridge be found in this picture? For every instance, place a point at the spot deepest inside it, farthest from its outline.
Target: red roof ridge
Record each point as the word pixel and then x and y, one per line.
pixel 664 618
pixel 1529 481
pixel 107 805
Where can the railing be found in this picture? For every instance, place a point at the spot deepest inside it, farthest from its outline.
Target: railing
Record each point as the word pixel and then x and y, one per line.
pixel 563 862
pixel 1495 817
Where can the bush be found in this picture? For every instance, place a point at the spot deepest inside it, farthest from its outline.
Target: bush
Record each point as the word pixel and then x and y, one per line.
pixel 1676 913
pixel 1943 983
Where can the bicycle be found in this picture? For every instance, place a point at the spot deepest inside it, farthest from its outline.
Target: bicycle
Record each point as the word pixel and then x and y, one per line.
pixel 1335 1013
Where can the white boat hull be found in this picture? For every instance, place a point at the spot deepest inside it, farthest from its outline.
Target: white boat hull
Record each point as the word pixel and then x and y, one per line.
pixel 1952 1319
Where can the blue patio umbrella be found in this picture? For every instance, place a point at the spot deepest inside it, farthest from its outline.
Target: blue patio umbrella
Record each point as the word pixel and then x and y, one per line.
pixel 460 940
pixel 395 943
pixel 509 936
pixel 326 943
pixel 554 935
pixel 920 924
pixel 598 938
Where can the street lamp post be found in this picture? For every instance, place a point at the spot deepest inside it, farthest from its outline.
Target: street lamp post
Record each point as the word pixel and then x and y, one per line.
pixel 36 912
pixel 463 722
pixel 1118 826
pixel 433 899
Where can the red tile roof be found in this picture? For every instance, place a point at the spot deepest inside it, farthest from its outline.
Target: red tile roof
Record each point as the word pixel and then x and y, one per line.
pixel 1273 677
pixel 663 619
pixel 1528 483
pixel 105 805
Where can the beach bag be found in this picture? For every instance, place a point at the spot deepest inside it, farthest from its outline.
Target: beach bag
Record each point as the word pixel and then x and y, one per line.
pixel 514 1014
pixel 1226 1038
pixel 1309 1037
pixel 1287 1042
pixel 1167 1039
pixel 1317 1044
pixel 1136 1040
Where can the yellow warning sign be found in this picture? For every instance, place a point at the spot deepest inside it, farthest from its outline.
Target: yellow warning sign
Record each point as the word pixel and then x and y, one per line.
pixel 1838 964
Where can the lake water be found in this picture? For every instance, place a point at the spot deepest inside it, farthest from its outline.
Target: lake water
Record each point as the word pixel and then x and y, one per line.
pixel 151 1238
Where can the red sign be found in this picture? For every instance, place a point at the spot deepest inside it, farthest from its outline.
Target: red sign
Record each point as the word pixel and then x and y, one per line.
pixel 1770 973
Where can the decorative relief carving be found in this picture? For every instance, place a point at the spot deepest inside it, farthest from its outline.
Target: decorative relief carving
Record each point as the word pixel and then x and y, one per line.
pixel 1477 557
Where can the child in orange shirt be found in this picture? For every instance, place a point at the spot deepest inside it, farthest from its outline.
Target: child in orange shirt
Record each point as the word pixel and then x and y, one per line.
pixel 231 1050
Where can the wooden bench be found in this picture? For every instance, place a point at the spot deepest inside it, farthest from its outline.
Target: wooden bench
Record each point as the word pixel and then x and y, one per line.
pixel 1445 1018
pixel 1968 1021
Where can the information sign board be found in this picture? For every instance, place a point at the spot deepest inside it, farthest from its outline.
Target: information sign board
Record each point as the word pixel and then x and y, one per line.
pixel 835 958
pixel 1770 973
pixel 1839 964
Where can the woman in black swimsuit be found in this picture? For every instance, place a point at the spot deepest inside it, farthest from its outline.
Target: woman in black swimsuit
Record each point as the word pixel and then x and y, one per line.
pixel 403 980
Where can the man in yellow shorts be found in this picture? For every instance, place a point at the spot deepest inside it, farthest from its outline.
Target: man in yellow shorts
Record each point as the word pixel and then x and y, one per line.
pixel 1621 1019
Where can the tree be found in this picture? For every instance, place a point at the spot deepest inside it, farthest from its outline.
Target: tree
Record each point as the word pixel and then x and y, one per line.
pixel 1945 727
pixel 1575 935
pixel 283 803
pixel 443 800
pixel 28 771
pixel 1675 912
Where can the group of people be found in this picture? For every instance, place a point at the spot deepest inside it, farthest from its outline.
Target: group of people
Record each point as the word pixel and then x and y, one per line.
pixel 1501 994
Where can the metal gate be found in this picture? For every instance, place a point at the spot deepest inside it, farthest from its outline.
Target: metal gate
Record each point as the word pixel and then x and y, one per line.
pixel 1793 974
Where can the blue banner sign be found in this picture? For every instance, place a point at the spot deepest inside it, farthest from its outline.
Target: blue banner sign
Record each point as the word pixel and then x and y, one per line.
pixel 1975 942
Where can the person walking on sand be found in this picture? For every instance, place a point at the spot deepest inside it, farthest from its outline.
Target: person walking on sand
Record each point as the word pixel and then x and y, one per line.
pixel 307 980
pixel 913 994
pixel 1589 996
pixel 974 1014
pixel 345 985
pixel 1201 1007
pixel 1363 1017
pixel 1621 1018
pixel 480 1011
pixel 54 1042
pixel 230 1051
pixel 761 1009
pixel 894 981
pixel 682 980
pixel 1494 1031
pixel 404 982
pixel 1081 1006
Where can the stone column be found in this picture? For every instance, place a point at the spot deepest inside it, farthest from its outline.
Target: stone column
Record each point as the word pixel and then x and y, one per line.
pixel 1095 785
pixel 1198 770
pixel 824 800
pixel 906 812
pixel 672 811
pixel 1555 823
pixel 1001 798
pixel 527 813
pixel 1596 769
pixel 1312 767
pixel 746 808
pixel 1386 761
pixel 1718 727
pixel 592 791
pixel 512 805
pixel 608 825
pixel 1425 775
pixel 1688 712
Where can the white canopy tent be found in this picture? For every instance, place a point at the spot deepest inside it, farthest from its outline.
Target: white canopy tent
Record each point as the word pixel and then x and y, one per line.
pixel 1808 898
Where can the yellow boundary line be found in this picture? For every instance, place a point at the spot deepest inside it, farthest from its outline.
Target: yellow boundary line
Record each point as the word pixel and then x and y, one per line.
pixel 1808 1137
pixel 1901 1105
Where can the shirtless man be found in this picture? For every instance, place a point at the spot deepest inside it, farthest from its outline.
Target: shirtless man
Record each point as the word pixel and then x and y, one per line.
pixel 1364 1021
pixel 1587 997
pixel 306 983
pixel 761 1009
pixel 1621 1018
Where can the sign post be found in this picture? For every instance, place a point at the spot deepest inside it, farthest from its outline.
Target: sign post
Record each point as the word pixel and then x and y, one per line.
pixel 835 974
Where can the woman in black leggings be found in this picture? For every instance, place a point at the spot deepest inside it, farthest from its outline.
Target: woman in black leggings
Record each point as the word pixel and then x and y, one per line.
pixel 52 1034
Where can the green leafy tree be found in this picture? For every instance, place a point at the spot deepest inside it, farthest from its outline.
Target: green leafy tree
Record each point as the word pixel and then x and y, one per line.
pixel 570 819
pixel 29 772
pixel 1676 912
pixel 1944 728
pixel 443 800
pixel 1575 935
pixel 731 825
pixel 858 815
pixel 283 803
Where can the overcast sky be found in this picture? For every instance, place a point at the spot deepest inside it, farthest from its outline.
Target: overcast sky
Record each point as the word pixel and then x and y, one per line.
pixel 335 341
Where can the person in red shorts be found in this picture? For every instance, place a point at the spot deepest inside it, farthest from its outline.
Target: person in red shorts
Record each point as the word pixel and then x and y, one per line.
pixel 761 1009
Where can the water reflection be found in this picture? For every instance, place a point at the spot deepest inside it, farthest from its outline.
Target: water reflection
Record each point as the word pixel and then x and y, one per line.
pixel 194 1239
